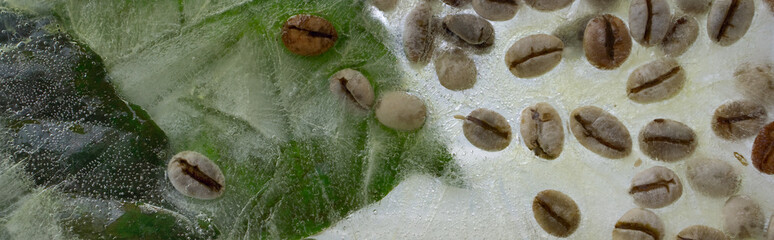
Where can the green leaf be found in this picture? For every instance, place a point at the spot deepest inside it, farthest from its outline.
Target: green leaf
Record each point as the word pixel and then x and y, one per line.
pixel 218 81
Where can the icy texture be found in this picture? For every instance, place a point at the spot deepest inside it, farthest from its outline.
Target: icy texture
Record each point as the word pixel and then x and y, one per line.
pixel 68 138
pixel 218 81
pixel 496 205
pixel 64 121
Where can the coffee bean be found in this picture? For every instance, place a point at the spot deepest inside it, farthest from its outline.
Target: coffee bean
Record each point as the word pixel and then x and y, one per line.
pixel 542 130
pixel 418 35
pixel 556 213
pixel 742 217
pixel 196 176
pixel 486 129
pixel 712 177
pixel 548 5
pixel 308 35
pixel 738 119
pixel 655 81
pixel 385 5
pixel 667 140
pixel 655 187
pixel 756 81
pixel 763 150
pixel 456 3
pixel 606 42
pixel 693 6
pixel 649 21
pixel 639 224
pixel 469 29
pixel 681 35
pixel 455 70
pixel 353 87
pixel 534 55
pixel 496 10
pixel 600 132
pixel 729 20
pixel 401 111
pixel 701 232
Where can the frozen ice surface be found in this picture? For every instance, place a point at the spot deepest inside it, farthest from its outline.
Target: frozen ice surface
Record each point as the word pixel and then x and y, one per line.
pixel 497 203
pixel 216 81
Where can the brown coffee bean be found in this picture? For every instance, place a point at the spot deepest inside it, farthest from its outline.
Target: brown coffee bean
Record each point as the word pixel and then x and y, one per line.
pixel 655 81
pixel 639 224
pixel 308 35
pixel 649 21
pixel 556 213
pixel 548 5
pixel 401 111
pixel 469 29
pixel 667 140
pixel 763 150
pixel 496 10
pixel 729 20
pixel 756 81
pixel 712 177
pixel 600 132
pixel 486 129
pixel 196 176
pixel 606 42
pixel 418 38
pixel 738 119
pixel 681 35
pixel 456 3
pixel 743 218
pixel 701 232
pixel 385 5
pixel 534 55
pixel 353 87
pixel 455 70
pixel 655 187
pixel 693 6
pixel 542 130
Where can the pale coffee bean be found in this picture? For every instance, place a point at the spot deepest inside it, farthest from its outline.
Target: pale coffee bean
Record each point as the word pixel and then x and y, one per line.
pixel 196 176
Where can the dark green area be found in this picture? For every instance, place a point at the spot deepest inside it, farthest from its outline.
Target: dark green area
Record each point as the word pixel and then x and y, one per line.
pixel 69 128
pixel 66 121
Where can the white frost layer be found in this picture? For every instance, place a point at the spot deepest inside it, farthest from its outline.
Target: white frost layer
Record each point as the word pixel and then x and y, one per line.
pixel 497 204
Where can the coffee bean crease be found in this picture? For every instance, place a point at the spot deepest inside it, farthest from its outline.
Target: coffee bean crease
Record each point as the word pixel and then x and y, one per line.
pixel 660 79
pixel 553 214
pixel 652 186
pixel 669 140
pixel 534 55
pixel 197 174
pixel 609 38
pixel 649 21
pixel 487 126
pixel 727 21
pixel 590 133
pixel 312 33
pixel 645 228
